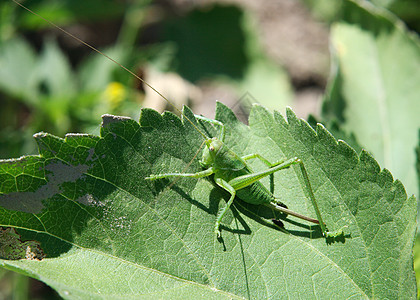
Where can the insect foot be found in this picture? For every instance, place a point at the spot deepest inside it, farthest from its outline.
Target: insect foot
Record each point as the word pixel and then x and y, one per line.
pixel 335 234
pixel 217 231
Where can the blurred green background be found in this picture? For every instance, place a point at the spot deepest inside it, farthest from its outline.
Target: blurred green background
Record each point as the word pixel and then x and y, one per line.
pixel 237 52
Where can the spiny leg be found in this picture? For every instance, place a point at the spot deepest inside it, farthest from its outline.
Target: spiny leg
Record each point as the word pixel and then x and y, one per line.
pixel 245 180
pixel 263 159
pixel 220 182
pixel 324 229
pixel 268 164
pixel 248 179
pixel 309 189
pixel 223 184
pixel 201 174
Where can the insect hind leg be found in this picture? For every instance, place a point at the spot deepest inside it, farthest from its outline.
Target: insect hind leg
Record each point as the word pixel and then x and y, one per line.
pixel 267 163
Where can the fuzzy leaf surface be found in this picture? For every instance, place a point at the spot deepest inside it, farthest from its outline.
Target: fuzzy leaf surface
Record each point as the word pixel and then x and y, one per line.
pixel 105 232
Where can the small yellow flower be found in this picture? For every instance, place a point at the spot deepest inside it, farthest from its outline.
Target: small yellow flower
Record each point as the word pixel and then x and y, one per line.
pixel 115 93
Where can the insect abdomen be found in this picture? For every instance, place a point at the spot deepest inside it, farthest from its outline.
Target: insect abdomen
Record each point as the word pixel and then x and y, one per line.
pixel 255 193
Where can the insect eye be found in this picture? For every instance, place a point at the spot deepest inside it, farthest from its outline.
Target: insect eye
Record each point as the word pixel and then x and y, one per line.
pixel 211 148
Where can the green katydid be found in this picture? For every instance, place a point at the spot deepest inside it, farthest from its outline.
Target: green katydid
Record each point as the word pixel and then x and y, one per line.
pixel 231 172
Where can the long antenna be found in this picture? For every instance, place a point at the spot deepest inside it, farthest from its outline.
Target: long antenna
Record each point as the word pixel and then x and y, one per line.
pixel 113 60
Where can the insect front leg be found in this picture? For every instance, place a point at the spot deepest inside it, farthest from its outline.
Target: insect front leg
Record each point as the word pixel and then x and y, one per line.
pixel 201 174
pixel 226 186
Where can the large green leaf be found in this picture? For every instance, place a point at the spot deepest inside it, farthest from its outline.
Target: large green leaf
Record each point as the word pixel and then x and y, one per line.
pixel 375 90
pixel 91 226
